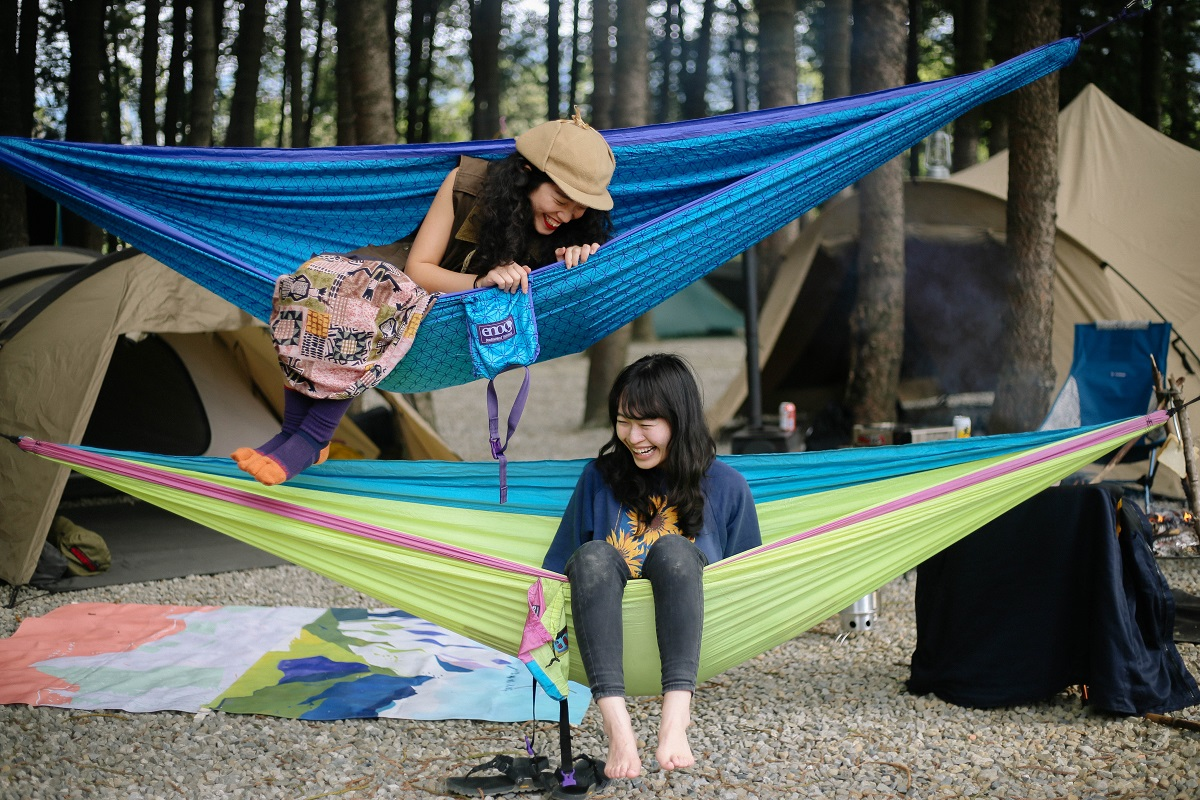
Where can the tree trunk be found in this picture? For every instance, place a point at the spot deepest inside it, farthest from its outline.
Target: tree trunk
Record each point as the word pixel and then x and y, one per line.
pixel 1150 72
pixel 602 66
pixel 293 56
pixel 608 356
pixel 315 89
pixel 835 62
pixel 420 58
pixel 576 59
pixel 344 11
pixel 243 106
pixel 553 60
pixel 14 228
pixel 148 90
pixel 204 73
pixel 369 45
pixel 1002 48
pixel 776 88
pixel 176 88
pixel 485 65
pixel 695 103
pixel 85 31
pixel 970 53
pixel 1027 372
pixel 877 318
pixel 671 32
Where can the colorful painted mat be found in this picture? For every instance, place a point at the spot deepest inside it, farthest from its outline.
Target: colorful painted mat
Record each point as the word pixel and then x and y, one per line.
pixel 300 663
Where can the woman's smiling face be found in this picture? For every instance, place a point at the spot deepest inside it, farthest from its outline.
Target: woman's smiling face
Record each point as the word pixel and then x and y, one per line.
pixel 647 439
pixel 552 208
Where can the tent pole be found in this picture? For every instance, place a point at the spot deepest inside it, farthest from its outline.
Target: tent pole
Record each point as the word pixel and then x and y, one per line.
pixel 749 270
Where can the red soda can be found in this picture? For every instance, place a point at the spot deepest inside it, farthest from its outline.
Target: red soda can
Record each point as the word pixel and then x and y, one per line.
pixel 787 417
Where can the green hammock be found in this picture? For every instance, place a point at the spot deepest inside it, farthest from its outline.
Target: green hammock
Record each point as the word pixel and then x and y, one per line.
pixel 430 538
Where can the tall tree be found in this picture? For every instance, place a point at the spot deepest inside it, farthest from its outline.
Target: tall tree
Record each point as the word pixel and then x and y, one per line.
pixel 576 57
pixel 14 230
pixel 85 90
pixel 835 58
pixel 608 356
pixel 877 318
pixel 205 22
pixel 485 67
pixel 173 114
pixel 420 69
pixel 243 106
pixel 374 122
pixel 346 128
pixel 695 88
pixel 553 60
pixel 293 67
pixel 776 88
pixel 970 54
pixel 1027 373
pixel 148 89
pixel 315 91
pixel 1150 71
pixel 602 64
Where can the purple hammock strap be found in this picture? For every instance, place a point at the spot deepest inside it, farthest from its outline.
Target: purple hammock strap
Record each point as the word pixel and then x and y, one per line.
pixel 1034 458
pixel 514 417
pixel 84 458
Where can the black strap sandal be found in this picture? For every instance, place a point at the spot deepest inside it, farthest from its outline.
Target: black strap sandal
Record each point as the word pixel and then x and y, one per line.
pixel 516 774
pixel 585 777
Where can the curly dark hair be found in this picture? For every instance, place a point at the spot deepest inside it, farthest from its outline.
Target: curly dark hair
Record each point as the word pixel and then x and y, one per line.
pixel 660 385
pixel 506 231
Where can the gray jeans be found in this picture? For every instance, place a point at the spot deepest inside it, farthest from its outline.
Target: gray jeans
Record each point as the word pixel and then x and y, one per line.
pixel 598 574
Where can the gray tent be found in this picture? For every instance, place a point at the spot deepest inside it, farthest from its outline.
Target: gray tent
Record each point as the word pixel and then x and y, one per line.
pixel 122 352
pixel 1129 197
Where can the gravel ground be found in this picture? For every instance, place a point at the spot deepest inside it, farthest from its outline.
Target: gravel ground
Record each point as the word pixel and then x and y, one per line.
pixel 814 718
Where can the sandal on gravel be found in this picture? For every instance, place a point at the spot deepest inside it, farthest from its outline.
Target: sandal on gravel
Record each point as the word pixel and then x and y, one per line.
pixel 586 777
pixel 514 775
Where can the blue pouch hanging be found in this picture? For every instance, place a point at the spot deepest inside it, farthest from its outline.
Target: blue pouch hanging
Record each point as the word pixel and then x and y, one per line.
pixel 502 328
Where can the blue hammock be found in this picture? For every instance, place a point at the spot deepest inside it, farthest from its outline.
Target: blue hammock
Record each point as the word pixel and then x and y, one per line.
pixel 689 196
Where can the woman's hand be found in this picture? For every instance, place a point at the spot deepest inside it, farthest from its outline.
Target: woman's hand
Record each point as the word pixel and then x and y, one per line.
pixel 507 277
pixel 576 253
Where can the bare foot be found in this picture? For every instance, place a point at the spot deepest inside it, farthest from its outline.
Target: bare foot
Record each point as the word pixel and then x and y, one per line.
pixel 264 469
pixel 623 760
pixel 322 456
pixel 674 752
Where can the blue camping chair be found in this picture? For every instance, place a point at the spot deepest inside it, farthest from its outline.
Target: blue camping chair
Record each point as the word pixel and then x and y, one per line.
pixel 1112 378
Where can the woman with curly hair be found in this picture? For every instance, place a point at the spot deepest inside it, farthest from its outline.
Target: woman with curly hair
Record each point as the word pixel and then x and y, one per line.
pixel 655 504
pixel 343 321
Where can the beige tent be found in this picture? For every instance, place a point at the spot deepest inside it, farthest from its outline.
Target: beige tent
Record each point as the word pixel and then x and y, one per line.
pixel 215 384
pixel 1129 197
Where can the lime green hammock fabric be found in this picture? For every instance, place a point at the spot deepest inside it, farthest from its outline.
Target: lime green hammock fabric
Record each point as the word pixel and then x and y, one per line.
pixel 430 537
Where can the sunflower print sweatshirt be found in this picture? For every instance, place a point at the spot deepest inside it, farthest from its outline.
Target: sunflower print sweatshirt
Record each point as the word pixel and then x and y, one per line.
pixel 730 523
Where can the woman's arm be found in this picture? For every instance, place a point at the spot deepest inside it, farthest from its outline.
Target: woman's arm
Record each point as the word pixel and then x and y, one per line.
pixel 576 525
pixel 429 247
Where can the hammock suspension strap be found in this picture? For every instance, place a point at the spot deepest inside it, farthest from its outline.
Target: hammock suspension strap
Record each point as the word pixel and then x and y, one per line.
pixel 514 417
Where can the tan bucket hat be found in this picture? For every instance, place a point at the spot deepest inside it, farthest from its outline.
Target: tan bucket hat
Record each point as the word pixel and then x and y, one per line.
pixel 576 158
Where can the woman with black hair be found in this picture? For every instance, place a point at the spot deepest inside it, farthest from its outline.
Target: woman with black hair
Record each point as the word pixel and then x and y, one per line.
pixel 343 321
pixel 655 504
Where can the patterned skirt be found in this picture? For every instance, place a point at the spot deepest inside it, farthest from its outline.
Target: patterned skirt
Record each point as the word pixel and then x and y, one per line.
pixel 342 323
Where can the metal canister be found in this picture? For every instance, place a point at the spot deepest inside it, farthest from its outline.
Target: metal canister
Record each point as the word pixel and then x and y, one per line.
pixel 860 617
pixel 787 417
pixel 962 427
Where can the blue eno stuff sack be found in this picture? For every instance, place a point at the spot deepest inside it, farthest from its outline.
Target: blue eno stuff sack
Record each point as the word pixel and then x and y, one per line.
pixel 503 331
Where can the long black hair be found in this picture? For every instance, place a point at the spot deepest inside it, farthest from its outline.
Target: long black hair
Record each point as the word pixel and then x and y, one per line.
pixel 660 386
pixel 505 215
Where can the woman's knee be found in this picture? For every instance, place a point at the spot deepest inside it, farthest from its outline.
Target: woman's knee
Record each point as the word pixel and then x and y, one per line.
pixel 595 562
pixel 674 556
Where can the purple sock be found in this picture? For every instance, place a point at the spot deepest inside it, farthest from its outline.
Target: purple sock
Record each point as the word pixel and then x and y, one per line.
pixel 295 409
pixel 297 454
pixel 323 418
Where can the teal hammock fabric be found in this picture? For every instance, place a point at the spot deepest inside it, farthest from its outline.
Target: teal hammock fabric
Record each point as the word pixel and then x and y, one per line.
pixel 689 196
